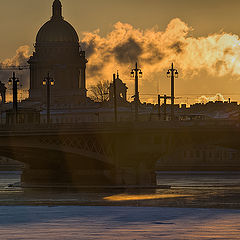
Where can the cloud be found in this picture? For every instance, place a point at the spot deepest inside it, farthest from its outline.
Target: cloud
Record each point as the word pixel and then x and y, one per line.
pixel 217 97
pixel 178 47
pixel 218 54
pixel 127 52
pixel 19 59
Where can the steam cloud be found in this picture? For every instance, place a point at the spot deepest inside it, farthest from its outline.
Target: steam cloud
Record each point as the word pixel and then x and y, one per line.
pixel 217 97
pixel 217 54
pixel 20 59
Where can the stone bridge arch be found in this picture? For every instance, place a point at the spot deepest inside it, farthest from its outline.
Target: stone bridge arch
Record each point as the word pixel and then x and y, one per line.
pixel 56 157
pixel 198 140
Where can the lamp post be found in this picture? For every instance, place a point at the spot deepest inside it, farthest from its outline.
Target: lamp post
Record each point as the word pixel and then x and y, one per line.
pixel 172 73
pixel 159 107
pixel 48 82
pixel 137 73
pixel 115 97
pixel 165 97
pixel 14 82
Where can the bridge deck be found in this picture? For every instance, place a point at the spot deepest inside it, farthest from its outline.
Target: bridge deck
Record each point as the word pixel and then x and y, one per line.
pixel 88 128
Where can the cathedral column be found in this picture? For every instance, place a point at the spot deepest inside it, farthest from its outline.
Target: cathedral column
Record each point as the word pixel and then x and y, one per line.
pixel 83 73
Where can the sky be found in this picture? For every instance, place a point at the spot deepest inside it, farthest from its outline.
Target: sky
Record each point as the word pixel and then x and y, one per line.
pixel 200 37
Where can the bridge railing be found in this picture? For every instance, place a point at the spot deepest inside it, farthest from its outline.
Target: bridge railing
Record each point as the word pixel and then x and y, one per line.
pixel 121 125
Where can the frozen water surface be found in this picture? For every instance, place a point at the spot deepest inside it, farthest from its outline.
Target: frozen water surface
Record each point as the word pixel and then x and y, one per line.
pixel 80 222
pixel 116 223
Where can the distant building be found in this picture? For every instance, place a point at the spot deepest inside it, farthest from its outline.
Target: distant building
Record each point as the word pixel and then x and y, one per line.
pixel 121 91
pixel 200 157
pixel 3 92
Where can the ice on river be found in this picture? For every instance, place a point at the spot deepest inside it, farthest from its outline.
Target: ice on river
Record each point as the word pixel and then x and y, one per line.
pixel 113 223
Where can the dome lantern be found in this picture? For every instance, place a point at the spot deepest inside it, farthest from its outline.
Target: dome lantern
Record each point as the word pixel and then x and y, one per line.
pixel 57 10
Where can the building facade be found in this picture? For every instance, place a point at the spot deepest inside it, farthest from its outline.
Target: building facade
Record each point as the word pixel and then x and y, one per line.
pixel 57 52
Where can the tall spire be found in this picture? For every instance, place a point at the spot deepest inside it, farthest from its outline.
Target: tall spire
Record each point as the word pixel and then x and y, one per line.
pixel 57 10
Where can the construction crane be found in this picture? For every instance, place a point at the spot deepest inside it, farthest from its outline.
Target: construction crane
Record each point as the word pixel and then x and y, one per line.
pixel 14 68
pixel 14 81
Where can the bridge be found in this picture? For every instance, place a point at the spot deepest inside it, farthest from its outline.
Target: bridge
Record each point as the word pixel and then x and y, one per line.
pixel 106 153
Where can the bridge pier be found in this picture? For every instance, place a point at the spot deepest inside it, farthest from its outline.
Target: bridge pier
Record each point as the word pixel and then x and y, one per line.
pixel 123 177
pixel 133 177
pixel 49 177
pixel 137 175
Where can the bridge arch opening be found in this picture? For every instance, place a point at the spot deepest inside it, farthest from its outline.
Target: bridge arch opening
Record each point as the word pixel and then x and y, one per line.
pixel 45 166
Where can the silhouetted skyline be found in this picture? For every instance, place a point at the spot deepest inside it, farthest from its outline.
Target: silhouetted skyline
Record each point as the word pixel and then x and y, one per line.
pixel 179 18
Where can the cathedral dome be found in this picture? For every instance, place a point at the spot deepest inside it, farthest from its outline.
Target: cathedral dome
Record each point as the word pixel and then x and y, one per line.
pixel 57 29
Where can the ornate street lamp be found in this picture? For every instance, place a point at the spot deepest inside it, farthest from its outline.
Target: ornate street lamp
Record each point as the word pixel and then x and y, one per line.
pixel 48 82
pixel 14 82
pixel 115 98
pixel 172 73
pixel 137 73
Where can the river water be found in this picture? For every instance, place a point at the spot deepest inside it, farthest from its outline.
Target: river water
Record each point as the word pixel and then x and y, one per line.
pixel 174 179
pixel 185 189
pixel 117 223
pixel 194 200
pixel 9 177
pixel 199 179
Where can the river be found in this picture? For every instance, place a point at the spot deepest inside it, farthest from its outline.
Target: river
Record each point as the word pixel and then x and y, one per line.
pixel 192 189
pixel 190 209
